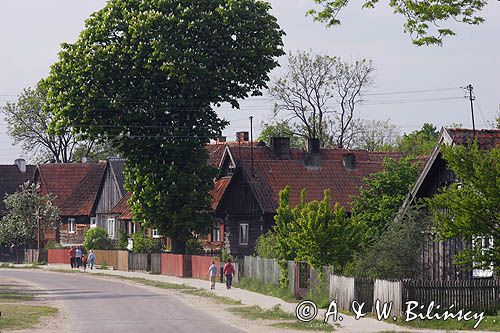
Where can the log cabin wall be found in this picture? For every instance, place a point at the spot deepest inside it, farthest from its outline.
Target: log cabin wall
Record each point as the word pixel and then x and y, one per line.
pixel 438 256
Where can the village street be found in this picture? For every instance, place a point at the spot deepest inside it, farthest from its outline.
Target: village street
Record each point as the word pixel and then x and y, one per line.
pixel 99 305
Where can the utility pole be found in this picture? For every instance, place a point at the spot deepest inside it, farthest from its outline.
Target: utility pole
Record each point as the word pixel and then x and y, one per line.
pixel 251 140
pixel 471 98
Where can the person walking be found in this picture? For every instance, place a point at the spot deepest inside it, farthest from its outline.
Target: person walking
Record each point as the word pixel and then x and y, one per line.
pixel 212 273
pixel 91 259
pixel 84 262
pixel 71 254
pixel 229 272
pixel 78 257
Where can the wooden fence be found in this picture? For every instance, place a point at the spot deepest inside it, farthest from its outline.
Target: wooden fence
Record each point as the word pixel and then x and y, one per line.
pixel 264 270
pixel 156 263
pixel 200 265
pixel 113 258
pixel 342 291
pixel 478 295
pixel 139 262
pixel 58 256
pixel 389 292
pixel 176 265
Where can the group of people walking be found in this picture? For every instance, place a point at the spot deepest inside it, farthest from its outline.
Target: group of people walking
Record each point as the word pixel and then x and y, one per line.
pixel 77 258
pixel 228 271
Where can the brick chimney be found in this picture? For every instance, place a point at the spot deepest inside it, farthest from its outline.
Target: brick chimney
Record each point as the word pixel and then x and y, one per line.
pixel 21 164
pixel 312 158
pixel 349 161
pixel 281 147
pixel 242 136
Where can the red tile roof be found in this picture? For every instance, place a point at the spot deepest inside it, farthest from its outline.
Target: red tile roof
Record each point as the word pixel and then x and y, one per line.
pixel 271 176
pixel 10 180
pixel 123 208
pixel 487 138
pixel 81 200
pixel 218 191
pixel 60 179
pixel 216 150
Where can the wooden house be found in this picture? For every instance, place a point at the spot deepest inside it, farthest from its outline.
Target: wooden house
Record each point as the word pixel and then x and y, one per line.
pixel 110 193
pixel 247 190
pixel 74 188
pixel 11 178
pixel 437 257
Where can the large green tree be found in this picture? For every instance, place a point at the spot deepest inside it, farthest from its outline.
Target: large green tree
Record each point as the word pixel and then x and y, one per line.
pixel 420 142
pixel 26 210
pixel 280 128
pixel 470 207
pixel 425 20
pixel 319 94
pixel 380 199
pixel 145 75
pixel 28 122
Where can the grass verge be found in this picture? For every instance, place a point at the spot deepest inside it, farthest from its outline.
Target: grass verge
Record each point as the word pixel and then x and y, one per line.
pixel 256 312
pixel 314 325
pixel 212 296
pixel 266 289
pixel 21 316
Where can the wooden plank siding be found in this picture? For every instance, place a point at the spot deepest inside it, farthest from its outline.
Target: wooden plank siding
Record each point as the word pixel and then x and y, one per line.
pixel 109 196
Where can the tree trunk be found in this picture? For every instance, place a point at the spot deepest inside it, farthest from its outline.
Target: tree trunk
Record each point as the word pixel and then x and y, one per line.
pixel 178 246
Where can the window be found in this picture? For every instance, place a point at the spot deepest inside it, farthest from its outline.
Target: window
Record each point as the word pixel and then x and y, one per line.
pixel 71 226
pixel 243 233
pixel 93 222
pixel 484 243
pixel 111 228
pixel 155 233
pixel 216 232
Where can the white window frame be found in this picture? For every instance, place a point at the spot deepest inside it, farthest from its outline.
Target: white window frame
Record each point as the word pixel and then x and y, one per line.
pixel 154 233
pixel 111 227
pixel 216 231
pixel 71 226
pixel 483 273
pixel 243 232
pixel 93 222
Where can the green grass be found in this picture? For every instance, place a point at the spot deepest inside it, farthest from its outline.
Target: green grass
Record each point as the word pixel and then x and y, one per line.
pixel 147 282
pixel 21 316
pixel 256 312
pixel 11 297
pixel 212 296
pixel 266 289
pixel 314 325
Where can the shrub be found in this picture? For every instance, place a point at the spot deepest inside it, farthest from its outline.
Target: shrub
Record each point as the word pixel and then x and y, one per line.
pixel 266 246
pixel 193 246
pixel 122 240
pixel 53 245
pixel 143 244
pixel 97 238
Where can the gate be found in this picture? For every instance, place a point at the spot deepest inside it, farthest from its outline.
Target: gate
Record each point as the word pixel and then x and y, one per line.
pixel 301 281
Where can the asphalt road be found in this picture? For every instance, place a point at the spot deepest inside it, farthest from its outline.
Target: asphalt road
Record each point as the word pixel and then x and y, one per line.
pixel 98 305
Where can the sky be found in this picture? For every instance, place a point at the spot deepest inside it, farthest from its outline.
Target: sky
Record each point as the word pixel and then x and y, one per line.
pixel 31 32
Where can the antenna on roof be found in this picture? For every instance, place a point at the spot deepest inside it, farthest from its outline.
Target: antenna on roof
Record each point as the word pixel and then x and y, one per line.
pixel 251 141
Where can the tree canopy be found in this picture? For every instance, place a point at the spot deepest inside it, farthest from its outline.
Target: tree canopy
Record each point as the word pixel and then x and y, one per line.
pixel 20 225
pixel 470 207
pixel 425 20
pixel 145 75
pixel 383 193
pixel 28 123
pixel 420 142
pixel 319 94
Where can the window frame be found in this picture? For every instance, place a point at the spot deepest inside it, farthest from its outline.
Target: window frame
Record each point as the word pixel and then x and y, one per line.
pixel 154 233
pixel 216 231
pixel 71 226
pixel 243 226
pixel 93 222
pixel 111 235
